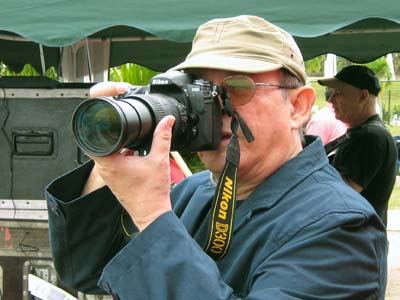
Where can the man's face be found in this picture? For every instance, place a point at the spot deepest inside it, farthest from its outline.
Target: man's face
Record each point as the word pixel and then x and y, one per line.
pixel 268 116
pixel 345 101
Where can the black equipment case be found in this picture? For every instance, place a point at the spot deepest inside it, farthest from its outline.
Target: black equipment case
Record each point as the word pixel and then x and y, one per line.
pixel 36 145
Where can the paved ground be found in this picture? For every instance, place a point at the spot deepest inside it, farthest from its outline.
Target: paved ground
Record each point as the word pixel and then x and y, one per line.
pixel 393 287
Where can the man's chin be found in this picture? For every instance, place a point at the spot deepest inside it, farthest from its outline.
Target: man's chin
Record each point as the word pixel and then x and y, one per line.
pixel 214 160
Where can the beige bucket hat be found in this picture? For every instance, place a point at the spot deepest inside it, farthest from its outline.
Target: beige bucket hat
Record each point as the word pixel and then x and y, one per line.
pixel 245 44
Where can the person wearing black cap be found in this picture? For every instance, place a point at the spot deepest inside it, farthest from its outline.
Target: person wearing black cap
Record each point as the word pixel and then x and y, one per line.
pixel 367 161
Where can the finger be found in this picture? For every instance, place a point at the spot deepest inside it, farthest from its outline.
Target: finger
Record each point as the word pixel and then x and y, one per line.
pixel 109 88
pixel 162 136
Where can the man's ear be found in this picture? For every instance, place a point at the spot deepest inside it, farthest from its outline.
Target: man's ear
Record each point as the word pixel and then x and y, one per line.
pixel 302 101
pixel 364 95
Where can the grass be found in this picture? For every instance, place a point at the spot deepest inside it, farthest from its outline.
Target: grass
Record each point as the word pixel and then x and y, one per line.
pixel 394 202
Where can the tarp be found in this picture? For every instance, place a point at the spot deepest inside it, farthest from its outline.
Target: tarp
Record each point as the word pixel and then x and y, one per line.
pixel 158 33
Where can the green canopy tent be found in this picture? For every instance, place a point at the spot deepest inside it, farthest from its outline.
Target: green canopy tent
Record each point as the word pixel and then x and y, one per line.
pixel 158 34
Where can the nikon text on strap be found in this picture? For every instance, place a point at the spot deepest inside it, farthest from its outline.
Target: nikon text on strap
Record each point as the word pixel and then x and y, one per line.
pixel 223 206
pixel 222 216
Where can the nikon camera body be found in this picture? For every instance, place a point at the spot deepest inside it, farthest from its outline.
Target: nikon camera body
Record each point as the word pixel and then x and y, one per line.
pixel 104 125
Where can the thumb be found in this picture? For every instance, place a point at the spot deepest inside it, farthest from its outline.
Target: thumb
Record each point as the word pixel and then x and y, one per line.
pixel 109 89
pixel 162 136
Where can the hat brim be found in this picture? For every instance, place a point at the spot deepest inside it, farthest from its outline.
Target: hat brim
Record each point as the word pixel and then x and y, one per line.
pixel 234 64
pixel 331 82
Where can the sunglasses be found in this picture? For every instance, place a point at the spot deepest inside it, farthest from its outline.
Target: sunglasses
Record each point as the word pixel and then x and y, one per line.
pixel 242 88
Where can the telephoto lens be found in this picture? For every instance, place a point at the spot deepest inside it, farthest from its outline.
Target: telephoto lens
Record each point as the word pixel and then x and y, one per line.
pixel 102 126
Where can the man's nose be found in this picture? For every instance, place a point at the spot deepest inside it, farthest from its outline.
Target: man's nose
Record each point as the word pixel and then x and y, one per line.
pixel 226 118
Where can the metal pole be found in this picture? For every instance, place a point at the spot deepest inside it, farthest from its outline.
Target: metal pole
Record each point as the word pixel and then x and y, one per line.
pixel 42 61
pixel 89 60
pixel 389 104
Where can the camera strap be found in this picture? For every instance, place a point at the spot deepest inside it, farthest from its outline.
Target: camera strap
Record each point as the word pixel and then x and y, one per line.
pixel 223 205
pixel 223 208
pixel 336 143
pixel 350 133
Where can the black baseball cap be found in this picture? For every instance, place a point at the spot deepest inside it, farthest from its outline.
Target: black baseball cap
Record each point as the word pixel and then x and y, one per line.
pixel 358 76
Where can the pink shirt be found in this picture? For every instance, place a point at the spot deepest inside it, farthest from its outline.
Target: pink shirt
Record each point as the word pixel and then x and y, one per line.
pixel 325 124
pixel 176 173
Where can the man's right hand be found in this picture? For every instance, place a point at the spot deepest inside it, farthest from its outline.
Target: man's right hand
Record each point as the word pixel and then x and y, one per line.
pixel 102 89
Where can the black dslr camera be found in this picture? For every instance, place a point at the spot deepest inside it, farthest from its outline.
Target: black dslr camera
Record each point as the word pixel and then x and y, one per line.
pixel 102 125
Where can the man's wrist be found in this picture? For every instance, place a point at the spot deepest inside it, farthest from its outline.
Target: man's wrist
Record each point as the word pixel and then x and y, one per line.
pixel 142 222
pixel 94 182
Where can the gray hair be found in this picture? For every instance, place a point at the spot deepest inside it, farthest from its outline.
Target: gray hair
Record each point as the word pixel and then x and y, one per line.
pixel 289 80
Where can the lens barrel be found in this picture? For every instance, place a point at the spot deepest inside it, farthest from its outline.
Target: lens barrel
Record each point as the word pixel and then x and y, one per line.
pixel 102 126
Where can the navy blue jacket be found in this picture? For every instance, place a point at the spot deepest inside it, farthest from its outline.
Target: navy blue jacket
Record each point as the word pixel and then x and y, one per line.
pixel 302 234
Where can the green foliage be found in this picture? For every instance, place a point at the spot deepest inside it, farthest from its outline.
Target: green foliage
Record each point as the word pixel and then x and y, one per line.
pixel 315 66
pixel 396 109
pixel 52 73
pixel 380 68
pixel 28 70
pixel 132 73
pixel 193 161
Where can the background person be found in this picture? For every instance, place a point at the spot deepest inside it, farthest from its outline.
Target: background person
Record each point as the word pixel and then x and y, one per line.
pixel 324 123
pixel 368 161
pixel 299 232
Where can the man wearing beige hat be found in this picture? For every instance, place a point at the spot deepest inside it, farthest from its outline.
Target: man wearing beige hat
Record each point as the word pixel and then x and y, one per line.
pixel 299 232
